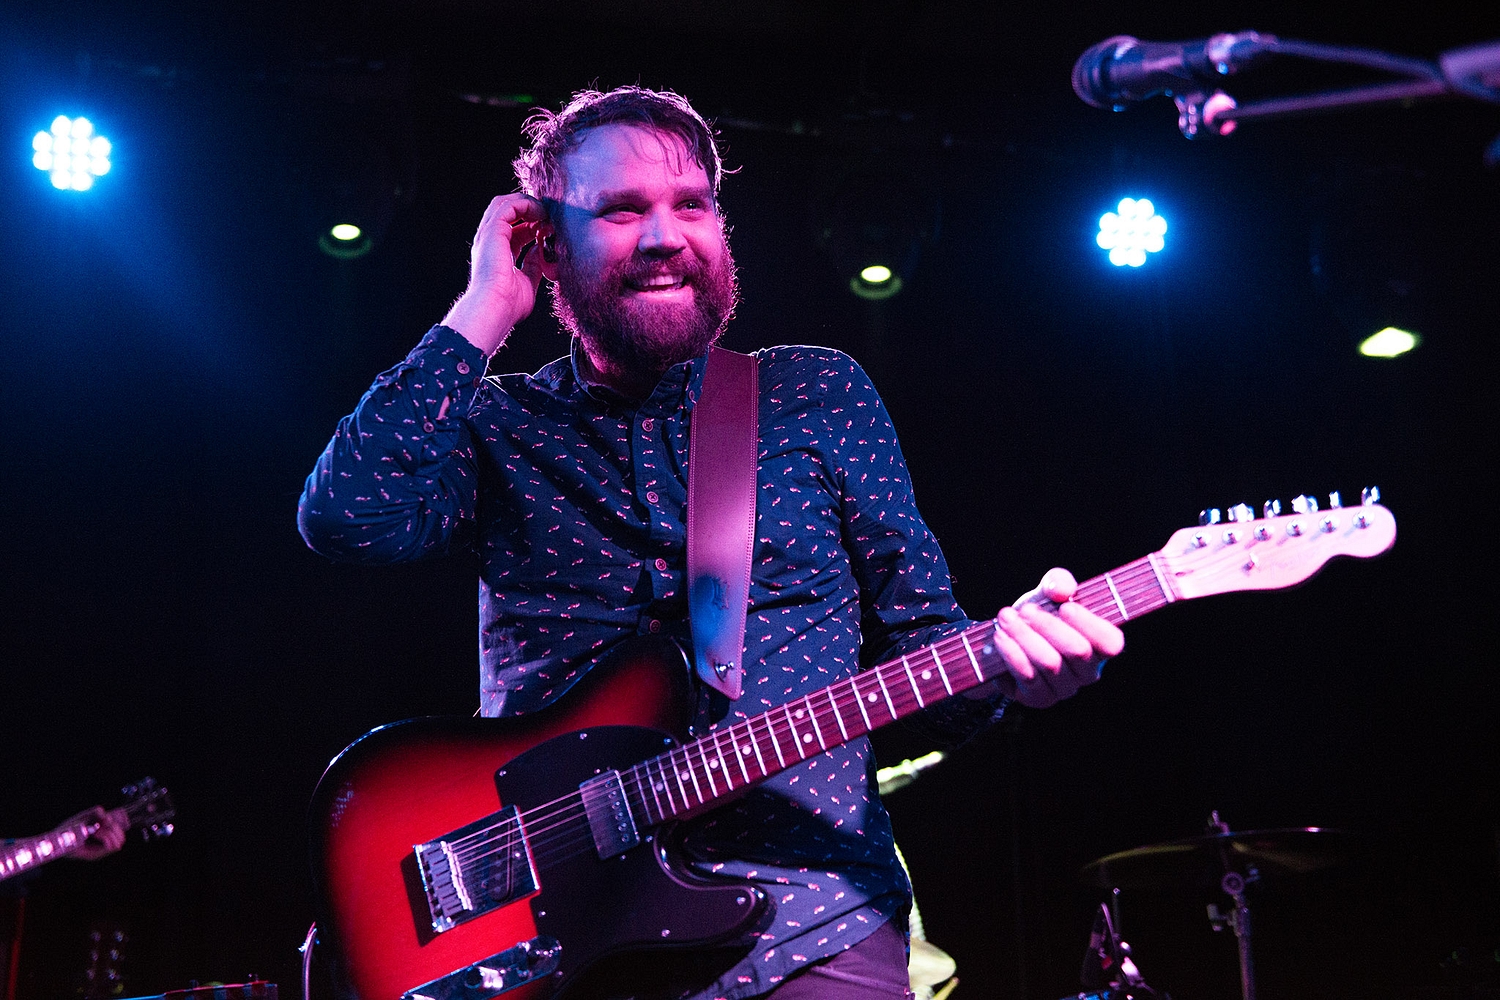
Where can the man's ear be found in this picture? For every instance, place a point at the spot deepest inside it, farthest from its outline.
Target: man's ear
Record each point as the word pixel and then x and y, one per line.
pixel 547 243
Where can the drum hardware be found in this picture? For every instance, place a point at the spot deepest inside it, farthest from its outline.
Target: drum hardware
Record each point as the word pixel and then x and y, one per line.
pixel 1230 860
pixel 1109 969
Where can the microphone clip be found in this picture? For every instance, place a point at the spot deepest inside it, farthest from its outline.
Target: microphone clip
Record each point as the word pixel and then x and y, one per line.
pixel 1203 115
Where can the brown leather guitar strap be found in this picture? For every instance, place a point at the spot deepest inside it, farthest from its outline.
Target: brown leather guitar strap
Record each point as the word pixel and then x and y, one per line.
pixel 722 466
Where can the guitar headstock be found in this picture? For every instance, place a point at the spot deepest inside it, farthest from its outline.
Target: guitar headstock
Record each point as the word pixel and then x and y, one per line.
pixel 149 808
pixel 1274 550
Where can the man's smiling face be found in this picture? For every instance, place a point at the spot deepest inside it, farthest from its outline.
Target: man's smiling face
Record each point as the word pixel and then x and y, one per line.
pixel 644 274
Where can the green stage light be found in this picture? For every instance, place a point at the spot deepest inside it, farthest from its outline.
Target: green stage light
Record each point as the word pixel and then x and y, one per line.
pixel 1388 343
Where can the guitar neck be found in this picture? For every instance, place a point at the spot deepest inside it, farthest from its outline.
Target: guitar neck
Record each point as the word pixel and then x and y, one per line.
pixel 699 775
pixel 33 852
pixel 1247 553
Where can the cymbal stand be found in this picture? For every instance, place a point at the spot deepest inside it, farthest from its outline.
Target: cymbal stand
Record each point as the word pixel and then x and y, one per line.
pixel 1237 919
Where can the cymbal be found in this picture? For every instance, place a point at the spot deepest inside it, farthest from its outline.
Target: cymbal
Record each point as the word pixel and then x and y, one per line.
pixel 1201 860
pixel 929 965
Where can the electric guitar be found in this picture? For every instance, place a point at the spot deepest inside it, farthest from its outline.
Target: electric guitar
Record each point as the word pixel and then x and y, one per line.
pixel 148 809
pixel 460 859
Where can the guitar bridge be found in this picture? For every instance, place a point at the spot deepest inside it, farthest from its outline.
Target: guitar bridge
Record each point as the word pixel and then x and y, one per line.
pixel 477 868
pixel 517 965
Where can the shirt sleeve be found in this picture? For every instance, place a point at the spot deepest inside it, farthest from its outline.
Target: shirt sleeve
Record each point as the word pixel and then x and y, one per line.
pixel 398 480
pixel 906 595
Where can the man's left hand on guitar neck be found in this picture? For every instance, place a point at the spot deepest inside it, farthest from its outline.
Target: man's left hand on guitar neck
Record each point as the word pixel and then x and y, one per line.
pixel 1050 656
pixel 107 839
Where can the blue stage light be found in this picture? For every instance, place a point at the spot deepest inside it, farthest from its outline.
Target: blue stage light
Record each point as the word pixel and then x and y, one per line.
pixel 1131 232
pixel 71 153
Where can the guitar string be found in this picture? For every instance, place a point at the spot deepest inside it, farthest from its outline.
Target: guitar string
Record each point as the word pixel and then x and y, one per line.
pixel 1135 581
pixel 564 811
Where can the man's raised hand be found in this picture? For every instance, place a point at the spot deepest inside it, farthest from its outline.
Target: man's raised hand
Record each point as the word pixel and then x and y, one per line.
pixel 501 291
pixel 1049 657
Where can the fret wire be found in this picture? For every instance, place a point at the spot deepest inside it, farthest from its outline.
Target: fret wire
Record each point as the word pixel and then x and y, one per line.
pixel 887 692
pixel 792 728
pixel 677 774
pixel 640 793
pixel 666 786
pixel 1160 580
pixel 973 660
pixel 912 680
pixel 859 699
pixel 938 661
pixel 836 716
pixel 813 714
pixel 687 755
pixel 739 755
pixel 723 764
pixel 660 812
pixel 708 772
pixel 723 767
pixel 775 744
pixel 755 746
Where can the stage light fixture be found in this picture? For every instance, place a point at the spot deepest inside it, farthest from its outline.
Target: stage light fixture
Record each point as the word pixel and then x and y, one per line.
pixel 1388 343
pixel 345 241
pixel 875 282
pixel 71 153
pixel 1131 232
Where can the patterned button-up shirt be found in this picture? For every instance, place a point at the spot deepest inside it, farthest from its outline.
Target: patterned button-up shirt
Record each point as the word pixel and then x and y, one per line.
pixel 576 502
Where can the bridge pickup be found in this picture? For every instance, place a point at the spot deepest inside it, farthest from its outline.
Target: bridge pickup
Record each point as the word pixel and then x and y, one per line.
pixel 475 869
pixel 609 814
pixel 522 963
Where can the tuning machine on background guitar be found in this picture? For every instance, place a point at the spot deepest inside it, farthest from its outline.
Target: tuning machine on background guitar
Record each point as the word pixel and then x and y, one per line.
pixel 150 809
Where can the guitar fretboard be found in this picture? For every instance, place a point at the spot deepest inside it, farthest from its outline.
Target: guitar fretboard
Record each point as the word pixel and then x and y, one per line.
pixel 696 776
pixel 33 852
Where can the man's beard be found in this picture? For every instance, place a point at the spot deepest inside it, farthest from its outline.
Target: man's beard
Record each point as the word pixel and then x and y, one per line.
pixel 630 333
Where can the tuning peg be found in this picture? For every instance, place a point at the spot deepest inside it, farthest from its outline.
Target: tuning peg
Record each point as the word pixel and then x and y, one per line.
pixel 1210 516
pixel 1304 504
pixel 1271 508
pixel 1333 500
pixel 1370 494
pixel 1241 512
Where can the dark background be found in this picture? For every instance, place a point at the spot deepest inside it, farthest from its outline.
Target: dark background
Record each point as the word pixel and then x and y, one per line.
pixel 177 350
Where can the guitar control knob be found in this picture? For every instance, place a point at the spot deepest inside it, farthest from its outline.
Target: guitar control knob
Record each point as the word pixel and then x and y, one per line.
pixel 1241 512
pixel 1370 494
pixel 1271 508
pixel 1304 504
pixel 1210 516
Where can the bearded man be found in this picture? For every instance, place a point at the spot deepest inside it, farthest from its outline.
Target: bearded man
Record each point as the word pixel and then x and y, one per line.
pixel 571 484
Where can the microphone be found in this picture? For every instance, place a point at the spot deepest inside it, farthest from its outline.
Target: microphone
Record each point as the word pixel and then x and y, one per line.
pixel 1123 70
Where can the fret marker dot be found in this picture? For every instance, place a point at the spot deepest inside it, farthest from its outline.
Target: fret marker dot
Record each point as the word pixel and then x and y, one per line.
pixel 686 776
pixel 712 764
pixel 807 737
pixel 798 713
pixel 660 786
pixel 873 699
pixel 744 751
pixel 927 675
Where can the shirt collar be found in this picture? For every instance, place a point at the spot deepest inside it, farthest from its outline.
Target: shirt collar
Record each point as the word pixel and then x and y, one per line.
pixel 679 387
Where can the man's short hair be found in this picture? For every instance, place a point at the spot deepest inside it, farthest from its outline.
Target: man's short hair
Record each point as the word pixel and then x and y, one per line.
pixel 553 134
